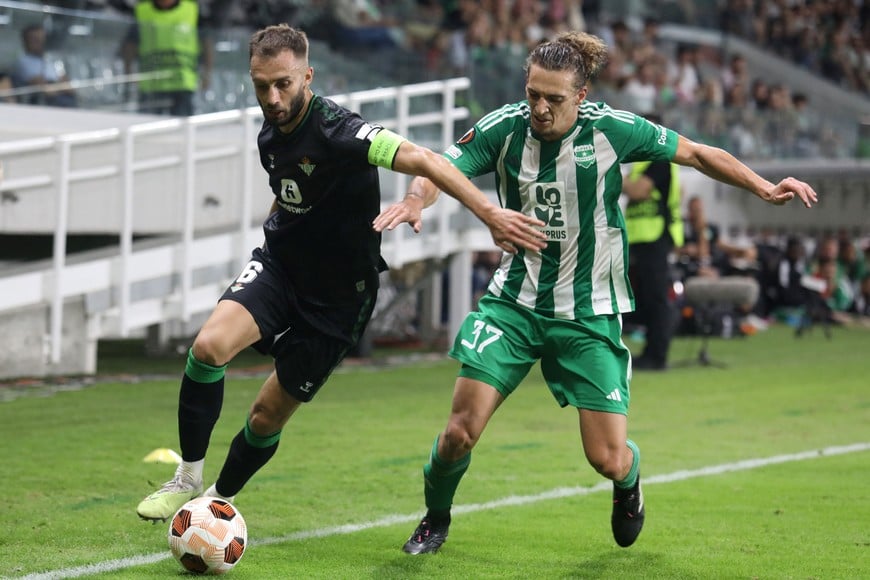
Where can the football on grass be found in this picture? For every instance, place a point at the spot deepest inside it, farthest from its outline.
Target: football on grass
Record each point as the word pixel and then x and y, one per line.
pixel 208 536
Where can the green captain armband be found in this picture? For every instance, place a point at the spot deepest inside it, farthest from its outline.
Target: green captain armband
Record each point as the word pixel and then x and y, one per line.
pixel 383 149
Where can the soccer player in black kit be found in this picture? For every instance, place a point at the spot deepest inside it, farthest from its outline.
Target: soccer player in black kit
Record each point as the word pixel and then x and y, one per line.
pixel 307 294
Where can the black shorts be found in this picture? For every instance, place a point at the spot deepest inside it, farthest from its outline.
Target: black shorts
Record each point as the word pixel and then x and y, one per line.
pixel 307 339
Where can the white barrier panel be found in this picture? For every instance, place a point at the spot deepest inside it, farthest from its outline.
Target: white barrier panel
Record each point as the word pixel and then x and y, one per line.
pixel 194 182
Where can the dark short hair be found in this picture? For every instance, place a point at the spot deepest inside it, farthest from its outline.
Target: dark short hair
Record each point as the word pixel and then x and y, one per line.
pixel 273 40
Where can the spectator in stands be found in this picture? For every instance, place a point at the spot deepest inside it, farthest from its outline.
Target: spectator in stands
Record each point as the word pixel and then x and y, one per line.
pixel 649 46
pixel 308 292
pixel 563 15
pixel 781 122
pixel 826 249
pixel 711 121
pixel 423 25
pixel 527 15
pixel 641 90
pixel 737 73
pixel 622 46
pixel 174 54
pixel 362 24
pixel 760 95
pixel 685 77
pixel 743 122
pixel 736 17
pixel 806 127
pixel 557 157
pixel 836 293
pixel 839 61
pixel 790 292
pixel 851 269
pixel 458 15
pixel 34 70
pixel 705 252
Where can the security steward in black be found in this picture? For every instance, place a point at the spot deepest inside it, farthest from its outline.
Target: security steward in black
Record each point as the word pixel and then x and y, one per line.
pixel 654 227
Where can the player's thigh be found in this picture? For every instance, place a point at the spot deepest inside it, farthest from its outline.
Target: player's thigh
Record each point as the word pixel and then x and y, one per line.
pixel 229 329
pixel 497 344
pixel 586 364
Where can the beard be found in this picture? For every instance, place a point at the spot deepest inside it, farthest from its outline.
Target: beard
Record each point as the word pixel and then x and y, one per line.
pixel 294 108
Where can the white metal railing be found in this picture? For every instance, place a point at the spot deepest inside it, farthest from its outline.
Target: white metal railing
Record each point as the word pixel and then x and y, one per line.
pixel 54 168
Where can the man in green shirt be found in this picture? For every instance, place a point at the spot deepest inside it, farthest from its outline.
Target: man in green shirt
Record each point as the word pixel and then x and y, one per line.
pixel 557 157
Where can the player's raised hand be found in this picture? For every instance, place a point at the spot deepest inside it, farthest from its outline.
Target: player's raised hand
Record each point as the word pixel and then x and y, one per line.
pixel 409 211
pixel 788 188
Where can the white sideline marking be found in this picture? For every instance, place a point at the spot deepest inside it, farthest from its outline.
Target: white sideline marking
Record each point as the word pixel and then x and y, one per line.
pixel 558 493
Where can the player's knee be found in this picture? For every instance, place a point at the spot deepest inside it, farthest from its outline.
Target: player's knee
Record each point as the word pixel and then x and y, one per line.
pixel 208 348
pixel 458 441
pixel 608 462
pixel 262 422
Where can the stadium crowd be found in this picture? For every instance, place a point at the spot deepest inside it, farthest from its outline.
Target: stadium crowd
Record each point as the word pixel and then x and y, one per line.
pixel 701 91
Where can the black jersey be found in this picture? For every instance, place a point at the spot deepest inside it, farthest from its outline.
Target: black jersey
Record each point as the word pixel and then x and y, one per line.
pixel 328 194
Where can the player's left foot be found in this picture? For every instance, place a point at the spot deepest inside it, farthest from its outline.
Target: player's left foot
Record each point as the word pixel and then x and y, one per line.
pixel 427 538
pixel 627 517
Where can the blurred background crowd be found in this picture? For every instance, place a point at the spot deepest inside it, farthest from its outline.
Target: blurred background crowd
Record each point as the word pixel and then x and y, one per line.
pixel 682 59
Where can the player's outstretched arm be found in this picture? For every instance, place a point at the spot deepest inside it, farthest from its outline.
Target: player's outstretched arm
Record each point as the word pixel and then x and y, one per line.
pixel 722 166
pixel 510 229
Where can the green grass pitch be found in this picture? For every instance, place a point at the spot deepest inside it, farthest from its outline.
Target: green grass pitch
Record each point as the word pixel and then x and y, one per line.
pixel 345 489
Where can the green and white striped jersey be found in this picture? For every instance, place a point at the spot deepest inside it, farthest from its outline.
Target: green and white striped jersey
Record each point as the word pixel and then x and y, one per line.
pixel 573 185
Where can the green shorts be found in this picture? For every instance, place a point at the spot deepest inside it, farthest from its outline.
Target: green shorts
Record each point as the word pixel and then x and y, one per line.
pixel 584 362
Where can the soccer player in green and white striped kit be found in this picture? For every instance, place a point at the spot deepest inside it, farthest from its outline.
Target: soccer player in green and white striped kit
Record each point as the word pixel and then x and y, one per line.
pixel 557 157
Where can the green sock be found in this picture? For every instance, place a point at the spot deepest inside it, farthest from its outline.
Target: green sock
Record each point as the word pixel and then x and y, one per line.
pixel 631 478
pixel 441 479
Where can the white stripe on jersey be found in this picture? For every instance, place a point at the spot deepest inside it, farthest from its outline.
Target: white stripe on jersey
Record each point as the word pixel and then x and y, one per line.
pixel 527 177
pixel 608 265
pixel 566 172
pixel 592 111
pixel 499 115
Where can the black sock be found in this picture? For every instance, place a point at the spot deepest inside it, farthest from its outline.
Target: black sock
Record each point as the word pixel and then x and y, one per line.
pixel 248 453
pixel 199 406
pixel 438 517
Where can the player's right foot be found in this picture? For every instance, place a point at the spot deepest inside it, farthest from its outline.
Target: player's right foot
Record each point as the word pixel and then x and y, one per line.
pixel 427 538
pixel 213 492
pixel 163 503
pixel 628 514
